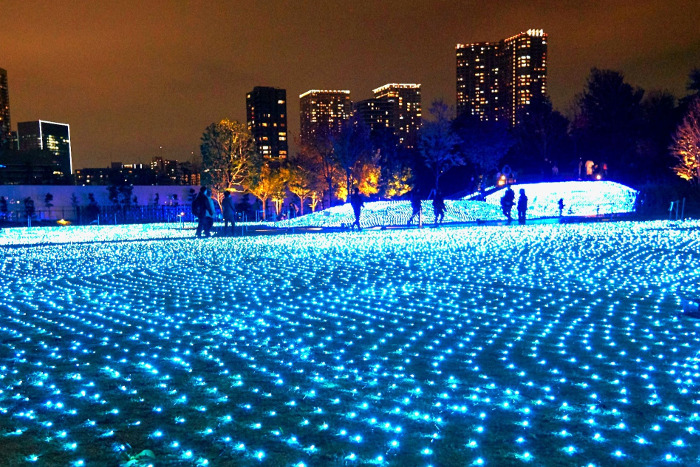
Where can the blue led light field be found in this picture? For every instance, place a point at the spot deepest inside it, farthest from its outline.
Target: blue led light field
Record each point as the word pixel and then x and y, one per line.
pixel 589 198
pixel 538 344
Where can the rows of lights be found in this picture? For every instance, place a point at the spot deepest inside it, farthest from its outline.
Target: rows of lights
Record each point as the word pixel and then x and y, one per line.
pixel 548 344
pixel 579 198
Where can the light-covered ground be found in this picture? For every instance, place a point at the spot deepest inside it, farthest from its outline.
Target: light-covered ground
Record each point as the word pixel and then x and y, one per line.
pixel 543 344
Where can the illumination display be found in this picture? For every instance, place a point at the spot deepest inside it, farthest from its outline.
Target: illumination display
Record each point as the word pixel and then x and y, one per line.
pixel 580 199
pixel 549 344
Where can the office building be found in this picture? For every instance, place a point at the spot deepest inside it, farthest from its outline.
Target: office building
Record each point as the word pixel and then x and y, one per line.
pixel 498 80
pixel 323 113
pixel 5 122
pixel 407 117
pixel 48 136
pixel 267 121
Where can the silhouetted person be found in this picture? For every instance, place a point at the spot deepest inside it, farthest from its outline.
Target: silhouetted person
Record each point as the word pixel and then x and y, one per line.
pixel 357 202
pixel 198 210
pixel 507 202
pixel 522 207
pixel 561 206
pixel 92 210
pixel 228 211
pixel 203 208
pixel 439 207
pixel 415 205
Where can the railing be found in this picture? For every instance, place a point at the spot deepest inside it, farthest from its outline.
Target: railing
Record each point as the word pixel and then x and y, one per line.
pixel 106 215
pixel 673 210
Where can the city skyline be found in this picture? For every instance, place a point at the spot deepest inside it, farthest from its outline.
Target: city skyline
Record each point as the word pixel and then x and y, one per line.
pixel 130 78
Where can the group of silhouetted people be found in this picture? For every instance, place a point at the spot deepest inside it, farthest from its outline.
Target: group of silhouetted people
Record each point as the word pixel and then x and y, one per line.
pixel 204 209
pixel 508 201
pixel 357 203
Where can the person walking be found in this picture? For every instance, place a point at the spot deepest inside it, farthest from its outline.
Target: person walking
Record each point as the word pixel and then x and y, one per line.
pixel 198 210
pixel 507 202
pixel 203 208
pixel 415 206
pixel 522 207
pixel 357 202
pixel 228 210
pixel 439 207
pixel 561 207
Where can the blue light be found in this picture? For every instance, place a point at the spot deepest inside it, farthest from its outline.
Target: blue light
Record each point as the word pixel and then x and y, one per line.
pixel 384 340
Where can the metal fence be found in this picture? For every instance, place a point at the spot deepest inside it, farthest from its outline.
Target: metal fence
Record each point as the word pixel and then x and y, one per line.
pixel 106 215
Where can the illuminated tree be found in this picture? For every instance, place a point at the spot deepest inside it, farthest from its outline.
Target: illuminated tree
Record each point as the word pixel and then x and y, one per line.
pixel 321 150
pixel 351 148
pixel 393 161
pixel 368 178
pixel 686 145
pixel 399 184
pixel 304 179
pixel 439 146
pixel 265 182
pixel 227 148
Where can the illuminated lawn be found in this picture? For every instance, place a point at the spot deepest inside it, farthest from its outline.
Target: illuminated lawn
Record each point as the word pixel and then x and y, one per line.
pixel 547 344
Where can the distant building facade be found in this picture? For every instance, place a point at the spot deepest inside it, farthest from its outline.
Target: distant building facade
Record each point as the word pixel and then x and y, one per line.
pixel 266 110
pixel 323 112
pixel 498 80
pixel 5 121
pixel 159 172
pixel 53 137
pixel 407 115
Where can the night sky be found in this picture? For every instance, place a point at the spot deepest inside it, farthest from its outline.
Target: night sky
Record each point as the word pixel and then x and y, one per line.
pixel 135 79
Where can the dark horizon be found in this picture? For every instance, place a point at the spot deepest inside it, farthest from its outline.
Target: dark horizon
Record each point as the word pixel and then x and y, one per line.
pixel 133 78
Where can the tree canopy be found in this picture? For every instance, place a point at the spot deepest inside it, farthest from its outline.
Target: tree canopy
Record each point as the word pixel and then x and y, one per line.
pixel 686 145
pixel 227 149
pixel 439 146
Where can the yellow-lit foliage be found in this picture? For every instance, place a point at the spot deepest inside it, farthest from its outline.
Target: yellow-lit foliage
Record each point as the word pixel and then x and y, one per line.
pixel 686 145
pixel 369 179
pixel 398 184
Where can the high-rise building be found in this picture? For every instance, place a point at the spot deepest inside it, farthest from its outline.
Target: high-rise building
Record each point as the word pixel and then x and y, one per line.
pixel 524 58
pixel 5 129
pixel 323 112
pixel 477 80
pixel 48 136
pixel 377 114
pixel 267 120
pixel 407 111
pixel 498 80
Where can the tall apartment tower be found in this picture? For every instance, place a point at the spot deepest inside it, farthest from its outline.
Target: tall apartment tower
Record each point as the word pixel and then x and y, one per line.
pixel 49 136
pixel 524 60
pixel 5 121
pixel 377 114
pixel 477 80
pixel 323 111
pixel 267 121
pixel 498 80
pixel 407 118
